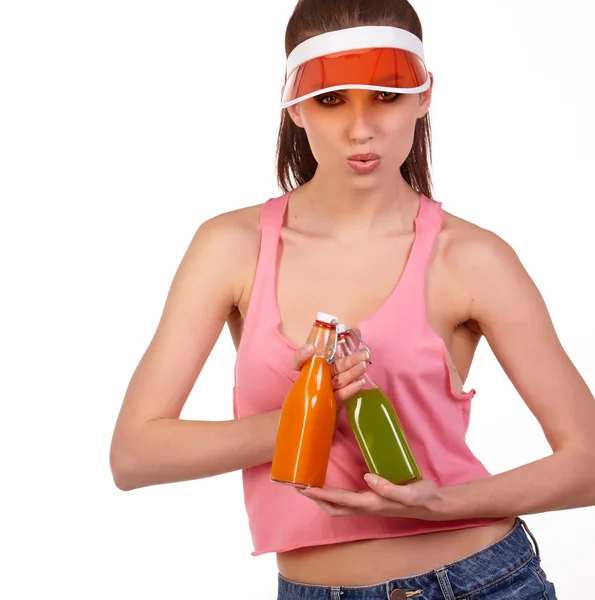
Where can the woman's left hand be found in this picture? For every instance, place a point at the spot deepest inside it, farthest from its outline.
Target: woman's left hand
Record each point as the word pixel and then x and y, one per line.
pixel 419 500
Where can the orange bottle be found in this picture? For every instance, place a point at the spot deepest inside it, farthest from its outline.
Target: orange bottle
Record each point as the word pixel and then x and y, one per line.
pixel 307 422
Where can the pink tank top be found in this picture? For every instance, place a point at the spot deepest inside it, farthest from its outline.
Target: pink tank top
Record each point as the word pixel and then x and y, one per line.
pixel 409 364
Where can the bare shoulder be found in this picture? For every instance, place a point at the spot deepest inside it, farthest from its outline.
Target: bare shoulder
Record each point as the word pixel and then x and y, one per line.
pixel 231 241
pixel 485 269
pixel 235 231
pixel 468 249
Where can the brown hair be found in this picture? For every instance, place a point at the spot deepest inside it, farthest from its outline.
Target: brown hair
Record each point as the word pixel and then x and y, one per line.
pixel 314 17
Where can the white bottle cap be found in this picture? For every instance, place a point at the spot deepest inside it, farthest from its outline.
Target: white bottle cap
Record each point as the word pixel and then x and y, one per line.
pixel 326 318
pixel 341 328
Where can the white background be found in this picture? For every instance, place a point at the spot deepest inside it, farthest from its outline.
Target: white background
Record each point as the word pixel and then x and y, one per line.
pixel 123 126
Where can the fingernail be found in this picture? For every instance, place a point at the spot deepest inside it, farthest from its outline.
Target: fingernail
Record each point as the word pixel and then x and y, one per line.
pixel 361 382
pixel 371 478
pixel 308 349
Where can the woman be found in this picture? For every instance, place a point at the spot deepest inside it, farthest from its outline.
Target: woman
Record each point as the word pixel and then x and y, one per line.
pixel 362 239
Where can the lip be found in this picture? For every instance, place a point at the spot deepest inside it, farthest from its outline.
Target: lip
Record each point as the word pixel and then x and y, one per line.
pixel 366 157
pixel 363 166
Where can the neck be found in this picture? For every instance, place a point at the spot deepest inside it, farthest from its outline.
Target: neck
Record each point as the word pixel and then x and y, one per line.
pixel 339 208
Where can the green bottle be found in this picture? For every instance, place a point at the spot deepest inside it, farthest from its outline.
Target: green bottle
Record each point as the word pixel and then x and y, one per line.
pixel 376 426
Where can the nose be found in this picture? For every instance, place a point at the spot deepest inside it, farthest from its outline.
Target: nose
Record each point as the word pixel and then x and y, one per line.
pixel 360 123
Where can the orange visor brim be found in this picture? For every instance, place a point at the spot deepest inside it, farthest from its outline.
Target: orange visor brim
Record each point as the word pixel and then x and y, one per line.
pixel 384 69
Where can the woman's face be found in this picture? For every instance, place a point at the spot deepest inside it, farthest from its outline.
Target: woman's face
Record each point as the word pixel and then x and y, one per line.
pixel 340 124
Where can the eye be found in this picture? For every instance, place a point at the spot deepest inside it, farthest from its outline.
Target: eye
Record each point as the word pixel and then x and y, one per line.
pixel 324 100
pixel 389 96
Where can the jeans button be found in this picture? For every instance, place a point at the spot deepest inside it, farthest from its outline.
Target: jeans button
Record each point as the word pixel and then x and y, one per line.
pixel 398 595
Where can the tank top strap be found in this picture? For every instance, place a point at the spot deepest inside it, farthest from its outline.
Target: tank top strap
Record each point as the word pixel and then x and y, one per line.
pixel 271 223
pixel 272 215
pixel 429 223
pixel 427 227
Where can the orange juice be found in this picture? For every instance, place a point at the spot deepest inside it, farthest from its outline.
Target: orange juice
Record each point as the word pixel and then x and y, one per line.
pixel 307 422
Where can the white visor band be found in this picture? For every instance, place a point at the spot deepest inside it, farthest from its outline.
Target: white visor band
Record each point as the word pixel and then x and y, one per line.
pixel 371 57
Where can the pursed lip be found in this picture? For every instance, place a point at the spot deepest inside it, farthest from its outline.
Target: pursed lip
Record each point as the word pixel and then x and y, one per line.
pixel 364 157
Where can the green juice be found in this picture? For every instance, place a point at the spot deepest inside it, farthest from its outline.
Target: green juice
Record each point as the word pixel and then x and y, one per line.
pixel 380 437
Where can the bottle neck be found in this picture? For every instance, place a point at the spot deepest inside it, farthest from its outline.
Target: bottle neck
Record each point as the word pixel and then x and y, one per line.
pixel 347 346
pixel 343 346
pixel 324 338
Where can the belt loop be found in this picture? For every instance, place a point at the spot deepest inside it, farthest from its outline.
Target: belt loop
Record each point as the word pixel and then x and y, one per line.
pixel 442 576
pixel 528 531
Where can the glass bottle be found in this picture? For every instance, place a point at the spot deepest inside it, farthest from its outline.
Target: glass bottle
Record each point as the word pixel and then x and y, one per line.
pixel 307 422
pixel 376 425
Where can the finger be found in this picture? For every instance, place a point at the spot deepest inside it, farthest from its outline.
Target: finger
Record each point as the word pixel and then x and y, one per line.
pixel 333 511
pixel 343 379
pixel 342 394
pixel 301 356
pixel 336 496
pixel 348 502
pixel 347 362
pixel 397 493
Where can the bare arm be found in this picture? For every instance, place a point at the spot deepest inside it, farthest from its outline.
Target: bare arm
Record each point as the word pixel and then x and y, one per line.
pixel 514 319
pixel 502 303
pixel 151 444
pixel 167 450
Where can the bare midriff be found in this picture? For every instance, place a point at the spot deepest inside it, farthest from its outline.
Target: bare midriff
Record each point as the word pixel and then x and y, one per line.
pixel 368 562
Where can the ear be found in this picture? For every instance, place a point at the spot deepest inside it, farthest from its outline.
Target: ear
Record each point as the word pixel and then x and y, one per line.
pixel 425 98
pixel 294 113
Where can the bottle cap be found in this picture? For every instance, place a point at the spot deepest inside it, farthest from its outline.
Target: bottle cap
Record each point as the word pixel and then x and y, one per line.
pixel 326 318
pixel 341 328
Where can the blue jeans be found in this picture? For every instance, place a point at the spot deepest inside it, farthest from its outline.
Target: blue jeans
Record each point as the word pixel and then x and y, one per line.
pixel 508 569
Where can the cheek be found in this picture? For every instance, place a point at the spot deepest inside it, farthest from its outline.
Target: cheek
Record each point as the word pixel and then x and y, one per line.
pixel 322 137
pixel 402 132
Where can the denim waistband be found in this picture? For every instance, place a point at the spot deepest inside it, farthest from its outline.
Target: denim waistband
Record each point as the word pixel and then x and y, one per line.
pixel 455 580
